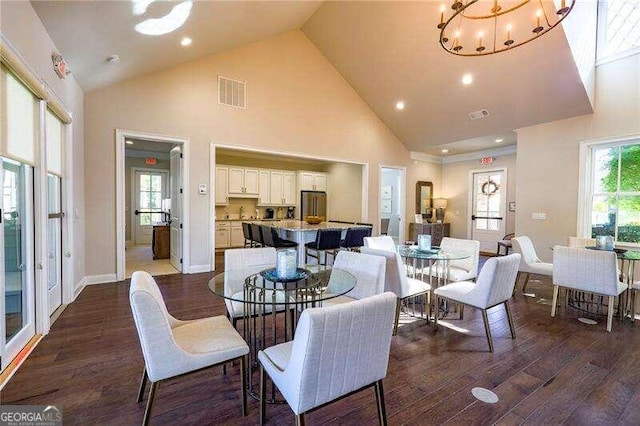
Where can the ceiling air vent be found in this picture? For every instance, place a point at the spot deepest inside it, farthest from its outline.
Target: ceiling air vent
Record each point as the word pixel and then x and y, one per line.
pixel 476 115
pixel 232 92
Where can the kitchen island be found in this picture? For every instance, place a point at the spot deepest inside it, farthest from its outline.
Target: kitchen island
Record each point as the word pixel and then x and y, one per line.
pixel 302 232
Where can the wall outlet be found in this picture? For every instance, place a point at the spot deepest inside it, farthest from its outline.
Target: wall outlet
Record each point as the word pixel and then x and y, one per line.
pixel 539 216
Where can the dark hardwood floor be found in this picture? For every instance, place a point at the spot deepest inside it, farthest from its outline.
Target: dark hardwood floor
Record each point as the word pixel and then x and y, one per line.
pixel 557 370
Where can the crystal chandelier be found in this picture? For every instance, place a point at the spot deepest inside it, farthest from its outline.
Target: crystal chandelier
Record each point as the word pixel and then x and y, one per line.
pixel 481 27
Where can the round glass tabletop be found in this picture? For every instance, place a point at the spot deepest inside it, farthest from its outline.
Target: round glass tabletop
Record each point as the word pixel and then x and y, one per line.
pixel 248 285
pixel 436 253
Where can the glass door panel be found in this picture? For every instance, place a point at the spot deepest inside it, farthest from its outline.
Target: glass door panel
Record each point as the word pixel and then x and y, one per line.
pixel 54 242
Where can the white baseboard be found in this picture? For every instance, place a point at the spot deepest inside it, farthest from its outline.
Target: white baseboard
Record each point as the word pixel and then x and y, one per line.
pixel 197 269
pixel 100 279
pixel 79 287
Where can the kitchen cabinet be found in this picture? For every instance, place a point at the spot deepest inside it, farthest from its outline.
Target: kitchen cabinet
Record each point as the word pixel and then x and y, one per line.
pixel 264 187
pixel 289 193
pixel 243 182
pixel 312 181
pixel 236 238
pixel 222 183
pixel 276 188
pixel 223 234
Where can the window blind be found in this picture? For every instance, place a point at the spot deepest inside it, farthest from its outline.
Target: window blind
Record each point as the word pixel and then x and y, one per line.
pixel 19 120
pixel 54 134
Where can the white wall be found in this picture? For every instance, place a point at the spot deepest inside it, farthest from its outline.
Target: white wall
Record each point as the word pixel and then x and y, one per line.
pixel 24 30
pixel 548 154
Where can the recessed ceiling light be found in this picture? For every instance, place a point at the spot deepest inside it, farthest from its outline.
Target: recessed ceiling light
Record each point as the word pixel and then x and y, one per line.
pixel 129 142
pixel 445 151
pixel 400 105
pixel 499 140
pixel 186 41
pixel 467 79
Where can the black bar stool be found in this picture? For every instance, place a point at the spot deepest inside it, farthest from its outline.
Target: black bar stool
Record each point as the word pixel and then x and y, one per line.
pixel 280 242
pixel 266 236
pixel 327 242
pixel 246 231
pixel 354 239
pixel 255 235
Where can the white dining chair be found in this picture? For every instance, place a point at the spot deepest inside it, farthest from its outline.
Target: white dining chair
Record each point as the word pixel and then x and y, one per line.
pixel 397 282
pixel 368 270
pixel 591 271
pixel 171 347
pixel 459 269
pixel 493 287
pixel 336 351
pixel 383 242
pixel 530 263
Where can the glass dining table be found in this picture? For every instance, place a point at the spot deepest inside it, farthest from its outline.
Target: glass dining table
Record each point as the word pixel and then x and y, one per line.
pixel 256 293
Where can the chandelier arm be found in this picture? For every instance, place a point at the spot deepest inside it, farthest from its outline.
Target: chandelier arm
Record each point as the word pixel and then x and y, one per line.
pixel 544 12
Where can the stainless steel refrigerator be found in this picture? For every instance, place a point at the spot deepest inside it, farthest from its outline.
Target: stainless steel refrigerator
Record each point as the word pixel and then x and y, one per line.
pixel 313 203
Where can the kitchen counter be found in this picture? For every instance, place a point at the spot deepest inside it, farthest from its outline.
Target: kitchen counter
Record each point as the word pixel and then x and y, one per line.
pixel 302 226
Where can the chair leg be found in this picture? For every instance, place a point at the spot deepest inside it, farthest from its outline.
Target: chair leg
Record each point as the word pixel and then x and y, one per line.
pixel 300 419
pixel 143 383
pixel 555 300
pixel 510 318
pixel 610 313
pixel 397 319
pixel 461 307
pixel 436 310
pixel 485 318
pixel 634 292
pixel 526 281
pixel 243 384
pixel 263 395
pixel 382 409
pixel 152 397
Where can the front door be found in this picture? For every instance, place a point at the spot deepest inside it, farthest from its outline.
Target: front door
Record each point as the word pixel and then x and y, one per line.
pixel 54 242
pixel 151 188
pixel 488 200
pixel 176 210
pixel 17 306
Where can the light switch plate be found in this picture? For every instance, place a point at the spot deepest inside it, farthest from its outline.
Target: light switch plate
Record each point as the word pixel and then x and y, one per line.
pixel 202 188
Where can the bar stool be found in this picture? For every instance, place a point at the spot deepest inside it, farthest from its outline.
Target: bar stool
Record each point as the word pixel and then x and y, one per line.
pixel 327 242
pixel 246 231
pixel 280 242
pixel 266 236
pixel 354 239
pixel 255 235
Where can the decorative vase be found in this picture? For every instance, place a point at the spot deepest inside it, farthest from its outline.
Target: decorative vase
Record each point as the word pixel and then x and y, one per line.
pixel 286 264
pixel 424 242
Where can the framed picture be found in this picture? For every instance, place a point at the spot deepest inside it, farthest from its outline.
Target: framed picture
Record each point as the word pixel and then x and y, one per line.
pixel 512 206
pixel 386 192
pixel 417 218
pixel 386 206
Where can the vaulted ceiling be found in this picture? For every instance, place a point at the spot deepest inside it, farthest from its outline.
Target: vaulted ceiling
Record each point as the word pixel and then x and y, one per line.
pixel 387 50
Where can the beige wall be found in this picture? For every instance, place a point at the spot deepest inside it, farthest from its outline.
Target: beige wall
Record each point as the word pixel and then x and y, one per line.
pixel 298 103
pixel 129 164
pixel 344 192
pixel 548 155
pixel 22 27
pixel 455 178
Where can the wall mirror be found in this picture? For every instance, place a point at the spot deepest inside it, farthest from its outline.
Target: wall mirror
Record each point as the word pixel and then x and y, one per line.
pixel 424 199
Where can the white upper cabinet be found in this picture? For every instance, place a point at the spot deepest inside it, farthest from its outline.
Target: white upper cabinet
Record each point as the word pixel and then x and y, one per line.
pixel 276 188
pixel 312 181
pixel 243 181
pixel 222 183
pixel 264 187
pixel 289 193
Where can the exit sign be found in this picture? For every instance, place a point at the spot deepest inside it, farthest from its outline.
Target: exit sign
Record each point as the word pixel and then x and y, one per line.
pixel 486 160
pixel 151 161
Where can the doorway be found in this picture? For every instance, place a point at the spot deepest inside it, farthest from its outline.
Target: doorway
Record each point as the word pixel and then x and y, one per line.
pixel 150 194
pixel 487 204
pixel 392 190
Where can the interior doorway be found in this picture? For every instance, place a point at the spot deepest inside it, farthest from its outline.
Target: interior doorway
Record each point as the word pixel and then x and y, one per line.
pixel 151 186
pixel 487 204
pixel 392 190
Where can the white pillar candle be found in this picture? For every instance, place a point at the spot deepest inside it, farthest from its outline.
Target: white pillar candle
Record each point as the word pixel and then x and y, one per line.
pixel 424 242
pixel 286 263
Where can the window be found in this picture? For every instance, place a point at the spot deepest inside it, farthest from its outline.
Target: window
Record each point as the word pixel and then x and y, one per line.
pixel 151 190
pixel 614 191
pixel 619 28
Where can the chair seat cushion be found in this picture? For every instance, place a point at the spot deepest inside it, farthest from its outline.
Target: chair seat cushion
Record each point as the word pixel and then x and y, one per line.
pixel 417 287
pixel 539 268
pixel 459 292
pixel 213 339
pixel 279 355
pixel 286 243
pixel 505 243
pixel 337 301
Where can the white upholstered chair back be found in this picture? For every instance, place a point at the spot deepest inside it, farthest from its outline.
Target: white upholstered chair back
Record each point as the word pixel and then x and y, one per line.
pixel 588 270
pixel 524 246
pixel 466 246
pixel 245 257
pixel 337 350
pixel 369 271
pixel 576 242
pixel 384 242
pixel 154 323
pixel 496 281
pixel 395 275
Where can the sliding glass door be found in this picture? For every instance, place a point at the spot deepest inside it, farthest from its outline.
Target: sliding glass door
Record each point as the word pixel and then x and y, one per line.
pixel 17 266
pixel 54 242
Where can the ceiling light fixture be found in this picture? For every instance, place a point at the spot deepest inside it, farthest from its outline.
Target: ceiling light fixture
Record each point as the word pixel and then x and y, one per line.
pixel 168 23
pixel 499 140
pixel 467 79
pixel 400 105
pixel 186 41
pixel 445 151
pixel 140 6
pixel 490 18
pixel 113 59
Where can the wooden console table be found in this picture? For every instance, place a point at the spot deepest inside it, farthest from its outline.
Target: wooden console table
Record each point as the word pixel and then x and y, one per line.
pixel 161 245
pixel 437 231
